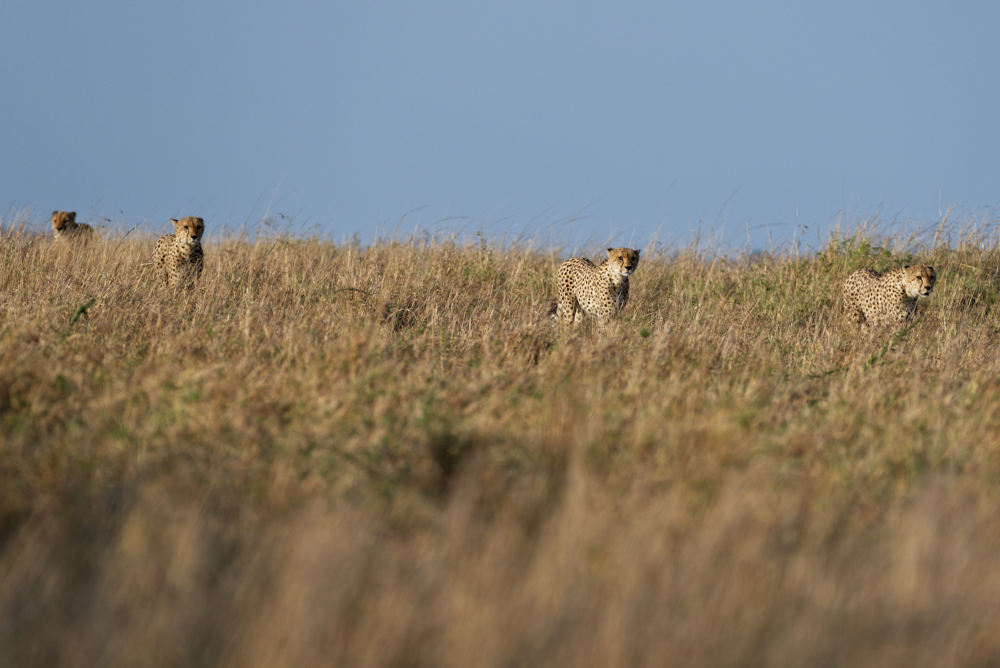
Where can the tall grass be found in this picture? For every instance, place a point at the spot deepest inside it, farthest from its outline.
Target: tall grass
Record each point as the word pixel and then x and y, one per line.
pixel 344 455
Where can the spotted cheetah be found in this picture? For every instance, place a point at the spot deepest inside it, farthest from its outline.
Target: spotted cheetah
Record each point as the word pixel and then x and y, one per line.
pixel 886 299
pixel 598 291
pixel 65 227
pixel 178 257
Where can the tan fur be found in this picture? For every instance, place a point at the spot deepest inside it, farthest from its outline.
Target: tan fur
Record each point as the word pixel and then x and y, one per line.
pixel 179 259
pixel 65 228
pixel 886 299
pixel 600 291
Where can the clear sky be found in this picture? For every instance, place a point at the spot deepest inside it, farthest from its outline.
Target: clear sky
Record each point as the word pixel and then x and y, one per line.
pixel 607 121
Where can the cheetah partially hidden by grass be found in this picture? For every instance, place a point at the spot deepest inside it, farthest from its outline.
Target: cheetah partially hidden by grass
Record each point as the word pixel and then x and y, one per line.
pixel 65 228
pixel 886 299
pixel 600 291
pixel 178 257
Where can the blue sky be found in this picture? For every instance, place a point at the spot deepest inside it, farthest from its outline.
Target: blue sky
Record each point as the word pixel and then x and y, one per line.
pixel 572 121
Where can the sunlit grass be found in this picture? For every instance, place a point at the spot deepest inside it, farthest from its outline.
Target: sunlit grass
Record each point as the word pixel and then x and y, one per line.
pixel 330 453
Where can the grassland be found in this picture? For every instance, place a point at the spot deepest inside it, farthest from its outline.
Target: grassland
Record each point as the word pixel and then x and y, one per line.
pixel 343 455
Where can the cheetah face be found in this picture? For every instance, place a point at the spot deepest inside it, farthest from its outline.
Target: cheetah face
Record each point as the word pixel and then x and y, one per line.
pixel 189 230
pixel 624 260
pixel 919 280
pixel 63 219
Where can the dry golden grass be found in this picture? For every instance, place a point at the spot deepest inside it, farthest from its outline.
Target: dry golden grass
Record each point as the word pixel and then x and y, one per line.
pixel 328 454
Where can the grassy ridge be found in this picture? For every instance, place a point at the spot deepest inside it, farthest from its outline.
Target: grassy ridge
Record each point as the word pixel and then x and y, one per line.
pixel 389 455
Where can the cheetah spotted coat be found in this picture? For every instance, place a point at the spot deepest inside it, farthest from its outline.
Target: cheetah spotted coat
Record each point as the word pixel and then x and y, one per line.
pixel 65 227
pixel 600 291
pixel 179 259
pixel 886 299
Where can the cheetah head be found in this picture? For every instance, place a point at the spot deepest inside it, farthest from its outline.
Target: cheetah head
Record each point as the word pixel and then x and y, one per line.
pixel 919 280
pixel 63 219
pixel 624 260
pixel 189 230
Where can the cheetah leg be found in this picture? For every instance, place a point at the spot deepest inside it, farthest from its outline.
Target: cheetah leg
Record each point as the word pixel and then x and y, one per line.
pixel 605 312
pixel 853 314
pixel 566 310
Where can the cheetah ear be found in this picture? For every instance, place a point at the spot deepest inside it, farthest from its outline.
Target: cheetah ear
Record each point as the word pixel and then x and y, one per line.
pixel 637 252
pixel 174 221
pixel 72 215
pixel 610 251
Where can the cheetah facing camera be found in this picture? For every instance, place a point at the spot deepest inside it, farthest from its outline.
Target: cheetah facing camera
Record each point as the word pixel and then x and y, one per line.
pixel 597 291
pixel 65 227
pixel 178 257
pixel 886 299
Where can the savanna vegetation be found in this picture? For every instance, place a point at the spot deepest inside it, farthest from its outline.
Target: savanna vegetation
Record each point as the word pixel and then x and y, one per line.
pixel 336 454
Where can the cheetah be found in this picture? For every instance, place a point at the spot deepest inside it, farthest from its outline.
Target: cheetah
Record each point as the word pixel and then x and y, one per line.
pixel 599 291
pixel 886 299
pixel 178 257
pixel 65 227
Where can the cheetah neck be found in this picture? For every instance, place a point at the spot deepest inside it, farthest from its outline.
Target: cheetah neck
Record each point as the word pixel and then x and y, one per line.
pixel 903 295
pixel 615 277
pixel 185 249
